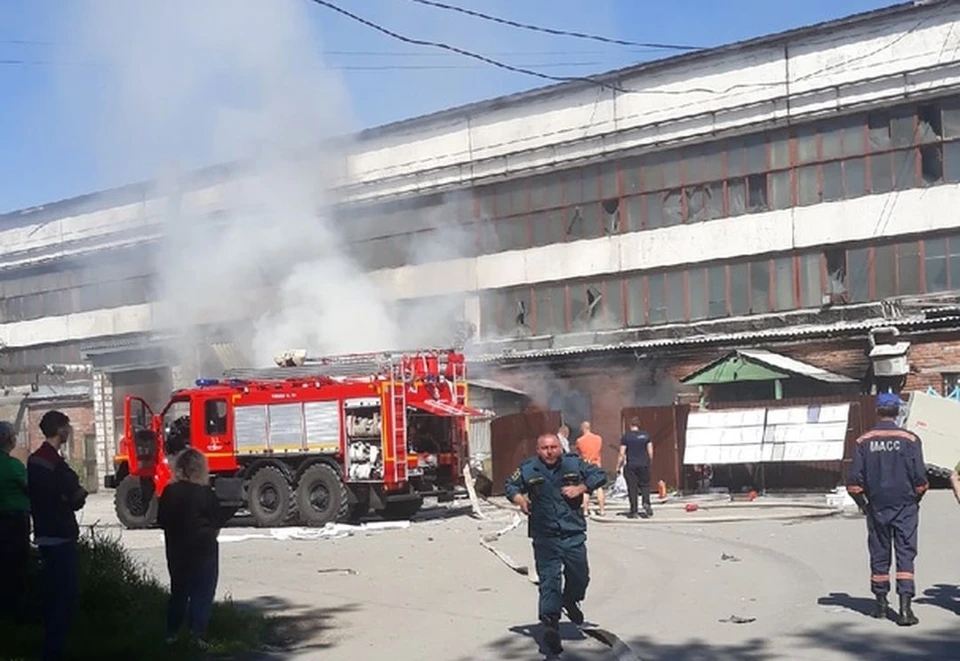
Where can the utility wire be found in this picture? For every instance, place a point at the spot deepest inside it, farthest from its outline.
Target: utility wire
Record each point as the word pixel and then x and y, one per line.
pixel 345 67
pixel 562 33
pixel 459 51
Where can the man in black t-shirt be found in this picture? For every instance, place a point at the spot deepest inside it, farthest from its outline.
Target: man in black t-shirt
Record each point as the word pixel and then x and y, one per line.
pixel 636 455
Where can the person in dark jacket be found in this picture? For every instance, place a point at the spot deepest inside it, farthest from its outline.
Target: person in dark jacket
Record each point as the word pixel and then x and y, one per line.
pixel 636 455
pixel 888 478
pixel 549 488
pixel 14 526
pixel 190 516
pixel 55 496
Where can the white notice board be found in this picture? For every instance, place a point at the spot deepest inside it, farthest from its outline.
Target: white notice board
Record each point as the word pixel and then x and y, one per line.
pixel 767 435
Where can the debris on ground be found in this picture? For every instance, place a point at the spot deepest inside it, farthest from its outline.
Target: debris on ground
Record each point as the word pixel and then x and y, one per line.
pixel 736 619
pixel 730 558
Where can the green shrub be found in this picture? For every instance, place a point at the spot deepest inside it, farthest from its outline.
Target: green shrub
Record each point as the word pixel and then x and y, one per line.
pixel 122 613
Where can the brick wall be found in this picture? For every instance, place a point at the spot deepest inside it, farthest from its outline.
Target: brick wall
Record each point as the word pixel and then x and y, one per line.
pixel 613 384
pixel 81 417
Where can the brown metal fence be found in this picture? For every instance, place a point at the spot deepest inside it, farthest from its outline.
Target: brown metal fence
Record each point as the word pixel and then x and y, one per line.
pixel 513 438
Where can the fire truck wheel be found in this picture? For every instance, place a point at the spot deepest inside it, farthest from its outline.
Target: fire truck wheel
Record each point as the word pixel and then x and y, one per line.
pixel 321 496
pixel 270 498
pixel 135 502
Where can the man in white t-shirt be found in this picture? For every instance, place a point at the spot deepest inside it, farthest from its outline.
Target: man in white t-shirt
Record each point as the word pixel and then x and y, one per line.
pixel 564 435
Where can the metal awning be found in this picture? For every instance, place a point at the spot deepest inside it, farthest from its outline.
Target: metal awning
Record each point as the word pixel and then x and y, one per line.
pixel 490 384
pixel 449 409
pixel 759 365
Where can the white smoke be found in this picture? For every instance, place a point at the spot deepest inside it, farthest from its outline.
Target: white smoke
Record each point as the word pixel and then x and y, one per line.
pixel 187 83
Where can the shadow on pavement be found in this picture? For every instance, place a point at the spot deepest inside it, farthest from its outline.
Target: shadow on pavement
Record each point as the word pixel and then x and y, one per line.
pixel 913 644
pixel 943 595
pixel 520 644
pixel 860 605
pixel 291 628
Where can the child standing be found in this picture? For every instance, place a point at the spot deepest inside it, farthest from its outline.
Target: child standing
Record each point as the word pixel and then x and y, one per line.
pixel 189 514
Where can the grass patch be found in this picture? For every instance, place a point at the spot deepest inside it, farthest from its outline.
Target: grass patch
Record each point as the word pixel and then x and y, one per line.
pixel 122 613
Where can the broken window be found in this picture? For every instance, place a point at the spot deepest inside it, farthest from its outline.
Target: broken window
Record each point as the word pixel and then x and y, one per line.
pixel 520 320
pixel 611 215
pixel 811 288
pixel 636 314
pixel 858 274
pixel 950 116
pixel 757 192
pixel 593 220
pixel 676 309
pixel 573 190
pixel 760 287
pixel 717 291
pixel 935 265
pixel 672 208
pixel 929 124
pixel 696 285
pixel 931 164
pixel 878 128
pixel 836 270
pixel 736 197
pixel 586 306
pixel 576 227
pixel 903 127
pixel 908 268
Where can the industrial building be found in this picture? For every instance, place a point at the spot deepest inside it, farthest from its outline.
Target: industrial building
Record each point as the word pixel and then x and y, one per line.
pixel 783 202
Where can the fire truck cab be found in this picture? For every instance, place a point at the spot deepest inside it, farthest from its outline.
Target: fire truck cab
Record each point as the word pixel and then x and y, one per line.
pixel 307 444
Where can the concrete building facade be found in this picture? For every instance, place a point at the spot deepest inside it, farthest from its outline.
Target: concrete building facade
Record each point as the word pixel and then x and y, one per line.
pixel 607 236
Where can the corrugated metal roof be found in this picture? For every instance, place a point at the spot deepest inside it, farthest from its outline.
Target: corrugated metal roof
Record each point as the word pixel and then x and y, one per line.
pixel 490 384
pixel 773 334
pixel 787 364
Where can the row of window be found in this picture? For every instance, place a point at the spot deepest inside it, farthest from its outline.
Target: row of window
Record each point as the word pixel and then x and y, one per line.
pixel 909 146
pixel 779 283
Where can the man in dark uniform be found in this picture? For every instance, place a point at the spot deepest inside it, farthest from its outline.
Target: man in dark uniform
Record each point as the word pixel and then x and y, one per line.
pixel 636 455
pixel 549 488
pixel 887 480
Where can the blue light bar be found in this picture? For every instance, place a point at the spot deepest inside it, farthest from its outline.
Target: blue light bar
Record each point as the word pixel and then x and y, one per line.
pixel 207 382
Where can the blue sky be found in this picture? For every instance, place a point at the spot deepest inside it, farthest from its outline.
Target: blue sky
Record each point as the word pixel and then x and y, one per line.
pixel 69 89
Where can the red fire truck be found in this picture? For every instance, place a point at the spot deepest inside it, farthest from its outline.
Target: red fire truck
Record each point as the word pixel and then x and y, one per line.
pixel 307 443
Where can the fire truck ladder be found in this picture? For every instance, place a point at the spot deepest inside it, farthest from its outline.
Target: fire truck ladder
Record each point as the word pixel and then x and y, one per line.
pixel 398 420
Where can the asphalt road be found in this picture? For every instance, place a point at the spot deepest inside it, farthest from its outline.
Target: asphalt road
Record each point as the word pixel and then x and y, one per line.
pixel 432 592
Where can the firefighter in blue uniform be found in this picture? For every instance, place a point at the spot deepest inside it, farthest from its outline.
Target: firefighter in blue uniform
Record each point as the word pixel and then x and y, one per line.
pixel 887 480
pixel 549 488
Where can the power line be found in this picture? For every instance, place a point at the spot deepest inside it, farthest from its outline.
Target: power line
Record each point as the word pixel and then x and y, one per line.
pixel 561 33
pixel 459 51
